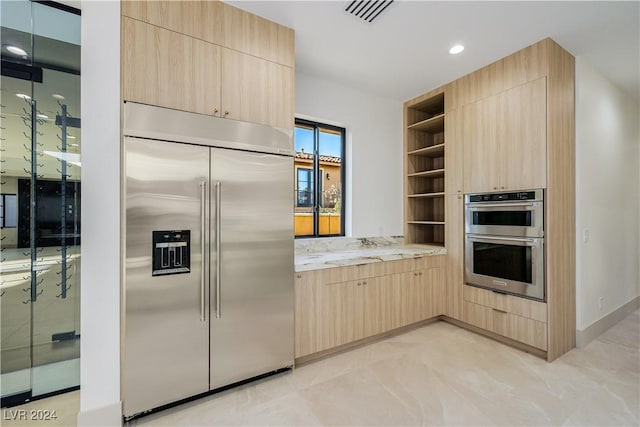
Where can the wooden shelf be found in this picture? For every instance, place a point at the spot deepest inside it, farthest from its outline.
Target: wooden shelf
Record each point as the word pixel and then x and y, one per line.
pixel 432 125
pixel 426 195
pixel 428 174
pixel 425 171
pixel 432 151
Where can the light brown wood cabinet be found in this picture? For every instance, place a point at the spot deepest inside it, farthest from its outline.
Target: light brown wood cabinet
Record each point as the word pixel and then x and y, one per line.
pixel 509 126
pixel 200 19
pixel 208 57
pixel 329 314
pixel 517 318
pixel 505 140
pixel 220 23
pixel 168 69
pixel 521 329
pixel 454 262
pixel 255 90
pixel 332 314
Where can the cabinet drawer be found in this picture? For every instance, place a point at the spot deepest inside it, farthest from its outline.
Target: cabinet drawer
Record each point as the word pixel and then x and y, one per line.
pixel 511 304
pixel 522 329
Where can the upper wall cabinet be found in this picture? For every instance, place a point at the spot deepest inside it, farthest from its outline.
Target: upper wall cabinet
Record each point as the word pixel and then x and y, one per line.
pixel 504 138
pixel 200 19
pixel 248 33
pixel 208 57
pixel 257 91
pixel 169 69
pixel 219 23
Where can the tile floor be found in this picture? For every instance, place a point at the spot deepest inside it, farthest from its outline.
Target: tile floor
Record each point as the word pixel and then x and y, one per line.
pixel 435 375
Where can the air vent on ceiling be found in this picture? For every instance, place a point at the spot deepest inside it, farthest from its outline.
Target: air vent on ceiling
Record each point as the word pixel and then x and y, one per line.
pixel 368 10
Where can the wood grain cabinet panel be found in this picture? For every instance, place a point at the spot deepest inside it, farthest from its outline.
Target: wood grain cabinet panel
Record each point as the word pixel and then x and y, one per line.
pixel 252 34
pixel 454 261
pixel 518 328
pixel 329 314
pixel 509 303
pixel 523 136
pixel 505 140
pixel 256 90
pixel 168 69
pixel 201 19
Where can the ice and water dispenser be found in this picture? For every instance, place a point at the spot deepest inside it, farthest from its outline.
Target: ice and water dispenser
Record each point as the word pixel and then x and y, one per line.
pixel 171 252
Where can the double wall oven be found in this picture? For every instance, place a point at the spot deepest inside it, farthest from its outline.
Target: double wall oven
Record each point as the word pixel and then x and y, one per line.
pixel 504 242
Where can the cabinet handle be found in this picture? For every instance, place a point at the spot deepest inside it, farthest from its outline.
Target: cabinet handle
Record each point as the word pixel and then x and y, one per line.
pixel 226 113
pixel 364 283
pixel 502 188
pixel 499 311
pixel 299 276
pixel 495 188
pixel 215 111
pixel 359 283
pixel 420 274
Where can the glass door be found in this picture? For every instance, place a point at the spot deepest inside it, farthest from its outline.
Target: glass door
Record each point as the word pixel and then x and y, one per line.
pixel 40 186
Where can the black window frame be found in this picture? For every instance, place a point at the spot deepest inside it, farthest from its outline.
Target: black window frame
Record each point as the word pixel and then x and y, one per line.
pixel 317 188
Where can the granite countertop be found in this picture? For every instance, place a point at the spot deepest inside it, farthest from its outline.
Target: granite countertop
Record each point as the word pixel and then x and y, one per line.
pixel 317 254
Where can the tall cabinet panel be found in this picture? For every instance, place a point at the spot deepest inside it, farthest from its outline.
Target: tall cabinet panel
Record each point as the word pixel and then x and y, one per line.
pixel 251 264
pixel 523 141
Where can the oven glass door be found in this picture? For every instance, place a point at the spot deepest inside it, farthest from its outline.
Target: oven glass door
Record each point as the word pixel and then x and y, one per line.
pixel 503 261
pixel 506 264
pixel 505 219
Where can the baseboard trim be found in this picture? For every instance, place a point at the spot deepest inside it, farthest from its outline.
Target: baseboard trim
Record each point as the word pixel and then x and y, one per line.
pixel 502 339
pixel 593 331
pixel 110 415
pixel 313 357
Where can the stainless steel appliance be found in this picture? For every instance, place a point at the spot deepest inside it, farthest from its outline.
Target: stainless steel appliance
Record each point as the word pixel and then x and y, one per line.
pixel 504 242
pixel 208 290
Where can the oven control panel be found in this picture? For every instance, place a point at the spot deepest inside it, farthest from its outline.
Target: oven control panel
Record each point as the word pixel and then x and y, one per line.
pixel 506 197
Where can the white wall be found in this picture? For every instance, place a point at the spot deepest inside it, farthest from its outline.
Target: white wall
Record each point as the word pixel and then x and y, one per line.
pixel 374 151
pixel 608 192
pixel 100 301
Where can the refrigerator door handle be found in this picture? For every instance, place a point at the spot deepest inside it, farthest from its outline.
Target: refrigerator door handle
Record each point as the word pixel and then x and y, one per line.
pixel 203 265
pixel 218 221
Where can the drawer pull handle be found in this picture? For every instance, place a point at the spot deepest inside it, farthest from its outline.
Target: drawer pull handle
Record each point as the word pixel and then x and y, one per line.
pixel 500 311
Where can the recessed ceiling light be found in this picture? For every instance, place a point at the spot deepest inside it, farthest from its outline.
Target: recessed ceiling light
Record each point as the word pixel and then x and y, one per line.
pixel 58 96
pixel 23 96
pixel 71 136
pixel 42 116
pixel 456 49
pixel 16 50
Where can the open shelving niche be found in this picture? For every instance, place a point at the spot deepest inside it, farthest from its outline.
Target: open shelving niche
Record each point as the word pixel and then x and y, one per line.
pixel 425 171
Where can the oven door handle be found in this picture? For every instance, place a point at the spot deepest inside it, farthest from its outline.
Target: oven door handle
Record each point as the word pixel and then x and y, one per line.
pixel 500 205
pixel 502 239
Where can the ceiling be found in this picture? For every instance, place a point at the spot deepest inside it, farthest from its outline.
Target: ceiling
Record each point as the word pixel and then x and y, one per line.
pixel 404 52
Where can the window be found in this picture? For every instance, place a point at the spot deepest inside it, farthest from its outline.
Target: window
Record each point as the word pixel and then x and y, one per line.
pixel 319 174
pixel 304 186
pixel 9 210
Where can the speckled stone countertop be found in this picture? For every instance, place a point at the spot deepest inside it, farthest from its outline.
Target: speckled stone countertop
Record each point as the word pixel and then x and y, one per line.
pixel 316 254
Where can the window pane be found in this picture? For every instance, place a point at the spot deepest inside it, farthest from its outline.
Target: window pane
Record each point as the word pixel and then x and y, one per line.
pixel 330 201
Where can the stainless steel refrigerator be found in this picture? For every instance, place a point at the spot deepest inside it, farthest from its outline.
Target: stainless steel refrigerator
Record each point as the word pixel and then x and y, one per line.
pixel 208 287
